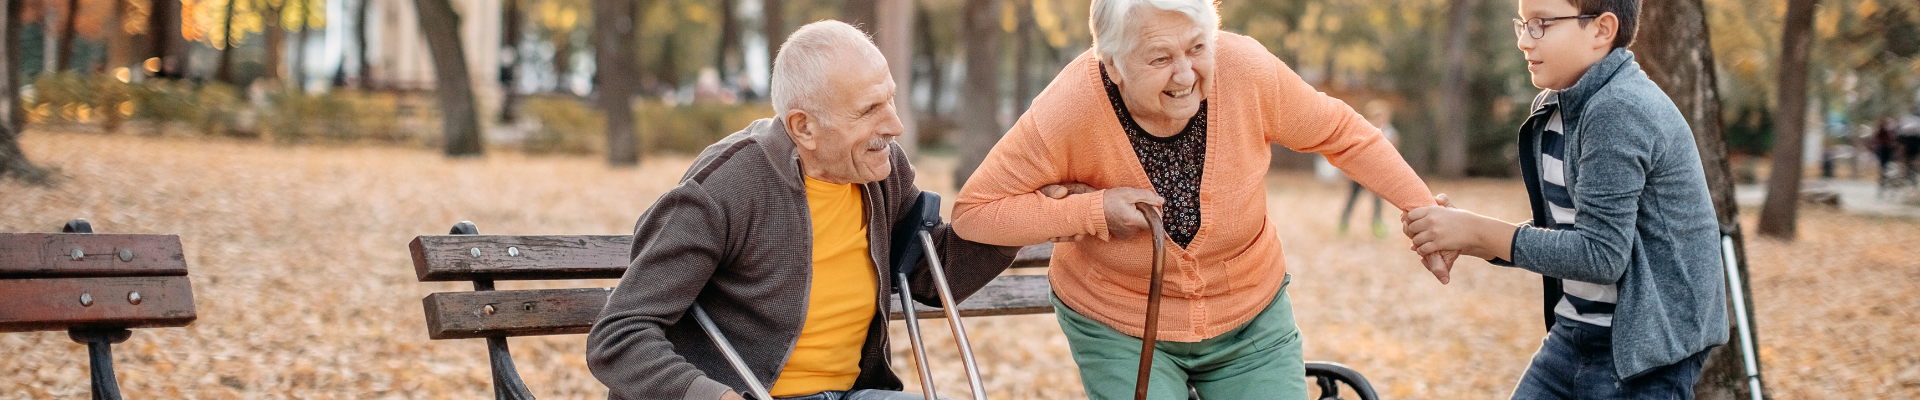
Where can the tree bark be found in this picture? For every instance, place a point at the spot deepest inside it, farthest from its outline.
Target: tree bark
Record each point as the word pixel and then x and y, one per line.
pixel 1779 214
pixel 276 34
pixel 862 14
pixel 223 70
pixel 1674 48
pixel 163 26
pixel 460 120
pixel 510 17
pixel 67 36
pixel 980 102
pixel 893 32
pixel 360 44
pixel 727 56
pixel 13 161
pixel 1452 141
pixel 613 50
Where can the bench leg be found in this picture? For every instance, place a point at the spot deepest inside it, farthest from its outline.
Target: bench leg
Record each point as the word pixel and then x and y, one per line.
pixel 100 358
pixel 506 377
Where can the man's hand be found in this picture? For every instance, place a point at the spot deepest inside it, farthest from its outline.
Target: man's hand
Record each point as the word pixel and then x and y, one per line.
pixel 1061 191
pixel 1123 220
pixel 731 395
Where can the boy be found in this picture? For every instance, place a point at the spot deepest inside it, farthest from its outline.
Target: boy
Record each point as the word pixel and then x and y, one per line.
pixel 1623 229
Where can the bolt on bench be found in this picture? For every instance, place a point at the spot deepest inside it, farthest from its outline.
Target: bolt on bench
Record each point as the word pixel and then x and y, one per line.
pixel 95 287
pixel 464 255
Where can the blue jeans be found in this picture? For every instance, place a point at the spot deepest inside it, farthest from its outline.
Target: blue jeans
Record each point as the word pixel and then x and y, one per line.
pixel 863 394
pixel 1575 361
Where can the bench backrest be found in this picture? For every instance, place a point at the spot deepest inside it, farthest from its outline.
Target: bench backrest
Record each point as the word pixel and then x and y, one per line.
pixel 500 313
pixel 62 281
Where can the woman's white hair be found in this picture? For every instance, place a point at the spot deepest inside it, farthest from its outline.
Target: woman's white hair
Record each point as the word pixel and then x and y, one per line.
pixel 1113 22
pixel 801 67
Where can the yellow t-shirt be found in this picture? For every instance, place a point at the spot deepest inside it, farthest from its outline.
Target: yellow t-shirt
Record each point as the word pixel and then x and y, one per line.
pixel 840 303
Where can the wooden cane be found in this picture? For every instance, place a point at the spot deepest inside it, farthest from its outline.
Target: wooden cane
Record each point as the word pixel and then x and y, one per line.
pixel 1152 214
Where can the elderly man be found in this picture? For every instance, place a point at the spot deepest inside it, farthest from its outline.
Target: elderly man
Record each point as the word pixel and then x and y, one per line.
pixel 781 233
pixel 1168 110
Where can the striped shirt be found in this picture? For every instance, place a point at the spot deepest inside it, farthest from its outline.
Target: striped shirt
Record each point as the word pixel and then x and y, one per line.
pixel 1583 301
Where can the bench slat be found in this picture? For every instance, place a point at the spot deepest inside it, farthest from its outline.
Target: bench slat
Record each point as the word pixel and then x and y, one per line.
pixel 1005 295
pixel 462 315
pixel 1035 256
pixel 54 304
pixel 441 258
pixel 50 255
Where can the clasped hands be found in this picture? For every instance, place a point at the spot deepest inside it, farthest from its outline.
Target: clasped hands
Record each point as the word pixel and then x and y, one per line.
pixel 1124 221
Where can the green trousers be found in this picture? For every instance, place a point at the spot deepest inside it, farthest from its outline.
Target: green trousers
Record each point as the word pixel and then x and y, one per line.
pixel 1258 360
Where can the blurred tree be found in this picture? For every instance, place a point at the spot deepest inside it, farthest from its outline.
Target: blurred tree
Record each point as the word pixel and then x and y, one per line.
pixel 169 47
pixel 460 122
pixel 1452 139
pixel 560 19
pixel 894 35
pixel 1673 46
pixel 67 35
pixel 510 21
pixel 613 32
pixel 860 13
pixel 13 162
pixel 726 57
pixel 980 102
pixel 223 68
pixel 360 21
pixel 773 26
pixel 1779 212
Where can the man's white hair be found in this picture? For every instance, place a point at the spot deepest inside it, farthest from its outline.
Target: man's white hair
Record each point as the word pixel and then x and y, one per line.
pixel 1114 26
pixel 801 68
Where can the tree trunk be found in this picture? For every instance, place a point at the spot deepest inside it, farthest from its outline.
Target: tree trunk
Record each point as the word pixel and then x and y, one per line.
pixel 1674 49
pixel 163 25
pixel 613 50
pixel 68 36
pixel 1023 56
pixel 936 70
pixel 980 101
pixel 460 119
pixel 276 35
pixel 773 25
pixel 223 71
pixel 1452 141
pixel 119 55
pixel 360 44
pixel 13 162
pixel 562 60
pixel 894 34
pixel 1778 214
pixel 510 17
pixel 861 14
pixel 728 57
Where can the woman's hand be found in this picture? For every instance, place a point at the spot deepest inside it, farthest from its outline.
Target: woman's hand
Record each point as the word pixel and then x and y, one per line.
pixel 1123 220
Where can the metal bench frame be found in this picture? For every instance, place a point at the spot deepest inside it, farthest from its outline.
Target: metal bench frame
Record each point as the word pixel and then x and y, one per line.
pixel 464 255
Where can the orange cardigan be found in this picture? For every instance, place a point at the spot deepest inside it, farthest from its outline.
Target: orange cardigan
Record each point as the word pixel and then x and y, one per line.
pixel 1233 267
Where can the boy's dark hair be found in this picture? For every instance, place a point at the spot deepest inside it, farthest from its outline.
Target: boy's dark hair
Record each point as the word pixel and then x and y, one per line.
pixel 1627 10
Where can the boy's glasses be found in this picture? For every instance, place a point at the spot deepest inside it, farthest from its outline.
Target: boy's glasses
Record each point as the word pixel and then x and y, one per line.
pixel 1537 27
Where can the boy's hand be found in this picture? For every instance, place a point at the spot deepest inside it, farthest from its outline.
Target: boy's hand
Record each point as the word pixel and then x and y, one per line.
pixel 1061 191
pixel 1441 265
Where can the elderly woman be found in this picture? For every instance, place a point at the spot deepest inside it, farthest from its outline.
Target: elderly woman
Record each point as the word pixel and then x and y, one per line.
pixel 1168 110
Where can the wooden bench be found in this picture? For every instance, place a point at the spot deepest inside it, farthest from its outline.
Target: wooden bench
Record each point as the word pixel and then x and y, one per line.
pixel 95 287
pixel 464 255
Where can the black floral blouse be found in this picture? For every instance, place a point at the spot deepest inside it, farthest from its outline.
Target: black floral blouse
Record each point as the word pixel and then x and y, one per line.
pixel 1174 164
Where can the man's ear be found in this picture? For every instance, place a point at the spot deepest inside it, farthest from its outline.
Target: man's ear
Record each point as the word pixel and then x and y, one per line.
pixel 1609 25
pixel 801 127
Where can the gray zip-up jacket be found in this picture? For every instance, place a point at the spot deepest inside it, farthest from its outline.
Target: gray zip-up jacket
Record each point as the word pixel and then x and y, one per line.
pixel 1646 221
pixel 735 238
